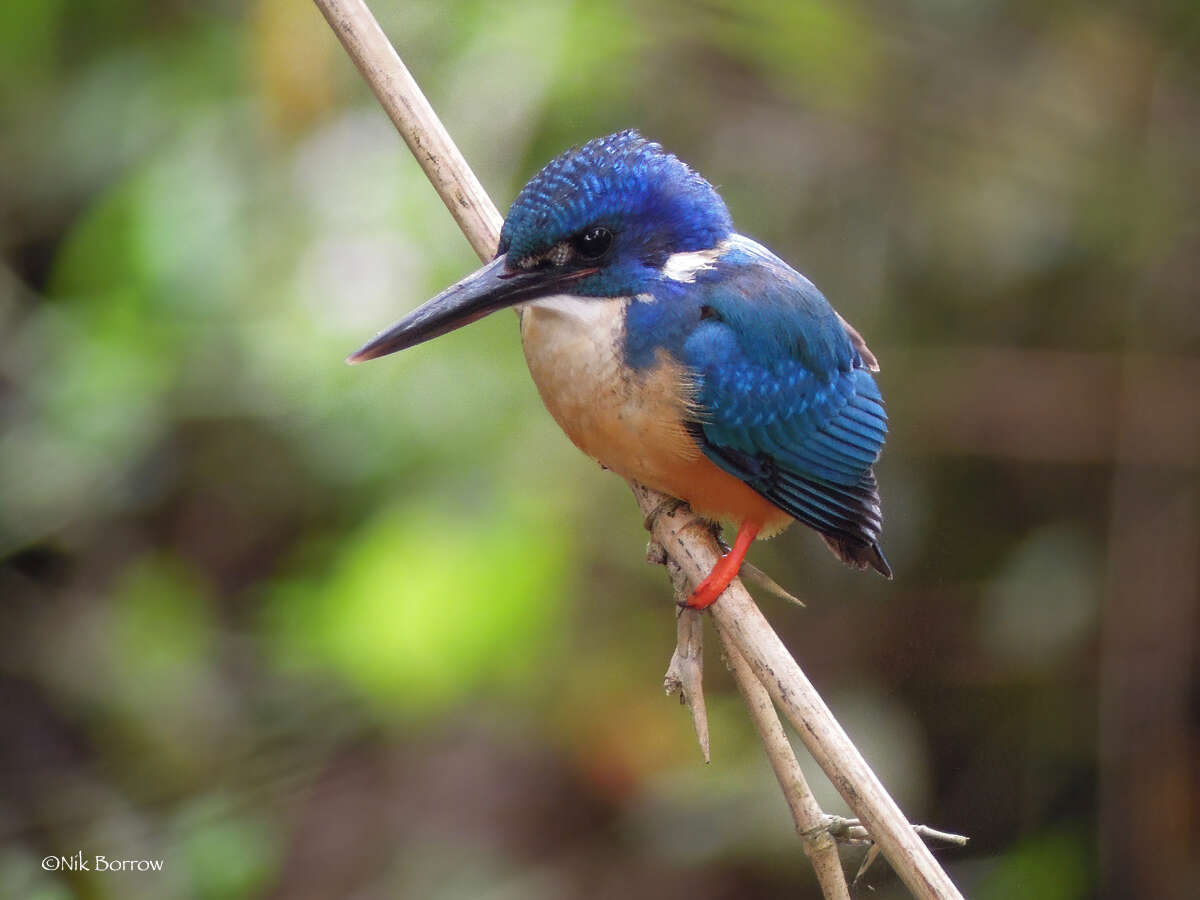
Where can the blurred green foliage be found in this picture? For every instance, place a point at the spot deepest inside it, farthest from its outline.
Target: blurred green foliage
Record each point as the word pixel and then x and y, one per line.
pixel 413 621
pixel 305 630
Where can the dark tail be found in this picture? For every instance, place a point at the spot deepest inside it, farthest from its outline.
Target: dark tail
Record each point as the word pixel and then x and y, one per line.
pixel 859 554
pixel 856 543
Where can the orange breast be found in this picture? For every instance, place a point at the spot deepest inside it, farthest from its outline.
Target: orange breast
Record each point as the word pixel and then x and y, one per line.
pixel 630 421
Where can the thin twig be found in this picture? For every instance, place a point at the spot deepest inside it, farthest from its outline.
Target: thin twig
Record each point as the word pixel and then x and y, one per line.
pixel 852 831
pixel 693 548
pixel 751 572
pixel 810 822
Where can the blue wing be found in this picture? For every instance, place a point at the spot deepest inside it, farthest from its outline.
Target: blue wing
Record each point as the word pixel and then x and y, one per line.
pixel 788 404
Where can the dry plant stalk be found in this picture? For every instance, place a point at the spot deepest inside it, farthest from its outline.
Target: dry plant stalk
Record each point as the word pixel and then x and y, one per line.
pixel 751 644
pixel 818 842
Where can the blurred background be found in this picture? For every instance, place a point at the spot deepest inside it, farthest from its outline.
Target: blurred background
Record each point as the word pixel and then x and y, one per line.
pixel 306 630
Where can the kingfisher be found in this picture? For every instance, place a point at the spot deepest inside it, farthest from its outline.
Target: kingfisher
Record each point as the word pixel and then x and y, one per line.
pixel 679 353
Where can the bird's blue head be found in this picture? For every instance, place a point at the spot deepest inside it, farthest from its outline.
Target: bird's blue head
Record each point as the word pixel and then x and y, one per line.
pixel 619 204
pixel 600 220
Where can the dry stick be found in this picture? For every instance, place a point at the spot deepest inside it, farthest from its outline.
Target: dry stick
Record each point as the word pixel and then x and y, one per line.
pixel 851 831
pixel 810 821
pixel 820 833
pixel 691 546
pixel 742 626
pixel 417 123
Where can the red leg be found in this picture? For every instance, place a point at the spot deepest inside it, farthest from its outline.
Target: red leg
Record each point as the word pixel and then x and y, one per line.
pixel 725 570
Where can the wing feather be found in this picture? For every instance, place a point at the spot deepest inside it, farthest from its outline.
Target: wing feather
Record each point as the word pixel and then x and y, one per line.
pixel 787 401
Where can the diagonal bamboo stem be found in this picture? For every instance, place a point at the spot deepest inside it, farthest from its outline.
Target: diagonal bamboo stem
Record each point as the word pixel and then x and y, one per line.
pixel 810 821
pixel 692 547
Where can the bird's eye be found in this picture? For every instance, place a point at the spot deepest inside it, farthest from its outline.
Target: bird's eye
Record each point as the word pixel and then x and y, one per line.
pixel 592 243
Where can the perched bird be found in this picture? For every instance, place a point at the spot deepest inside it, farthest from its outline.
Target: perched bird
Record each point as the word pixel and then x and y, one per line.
pixel 679 353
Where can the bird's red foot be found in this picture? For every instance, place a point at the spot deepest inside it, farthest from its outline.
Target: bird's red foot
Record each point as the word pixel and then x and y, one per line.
pixel 724 571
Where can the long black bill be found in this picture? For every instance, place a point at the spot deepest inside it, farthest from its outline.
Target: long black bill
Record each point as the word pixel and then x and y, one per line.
pixel 479 294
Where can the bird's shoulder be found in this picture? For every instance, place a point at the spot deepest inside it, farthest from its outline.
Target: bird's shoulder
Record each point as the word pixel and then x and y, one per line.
pixel 739 301
pixel 762 309
pixel 780 374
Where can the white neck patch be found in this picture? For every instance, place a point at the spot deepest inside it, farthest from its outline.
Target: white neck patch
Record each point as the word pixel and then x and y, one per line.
pixel 686 266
